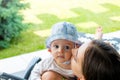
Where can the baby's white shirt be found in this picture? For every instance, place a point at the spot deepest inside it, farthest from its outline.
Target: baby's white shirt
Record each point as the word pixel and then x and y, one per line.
pixel 46 65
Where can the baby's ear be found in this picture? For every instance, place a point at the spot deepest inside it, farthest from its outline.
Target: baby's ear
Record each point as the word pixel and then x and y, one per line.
pixel 49 50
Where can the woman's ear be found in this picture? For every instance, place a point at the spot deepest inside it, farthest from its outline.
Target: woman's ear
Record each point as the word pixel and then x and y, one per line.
pixel 49 50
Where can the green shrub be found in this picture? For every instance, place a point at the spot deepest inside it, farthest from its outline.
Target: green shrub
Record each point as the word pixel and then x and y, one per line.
pixel 11 21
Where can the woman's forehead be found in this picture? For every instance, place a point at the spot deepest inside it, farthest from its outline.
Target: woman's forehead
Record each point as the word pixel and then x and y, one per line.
pixel 84 45
pixel 82 48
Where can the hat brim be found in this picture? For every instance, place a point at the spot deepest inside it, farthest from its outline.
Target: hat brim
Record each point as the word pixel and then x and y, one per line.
pixel 56 37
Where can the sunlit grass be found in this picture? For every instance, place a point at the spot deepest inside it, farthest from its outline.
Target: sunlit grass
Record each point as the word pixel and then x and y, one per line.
pixel 26 43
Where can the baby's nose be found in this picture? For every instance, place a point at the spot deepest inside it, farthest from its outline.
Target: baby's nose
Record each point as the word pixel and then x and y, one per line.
pixel 61 50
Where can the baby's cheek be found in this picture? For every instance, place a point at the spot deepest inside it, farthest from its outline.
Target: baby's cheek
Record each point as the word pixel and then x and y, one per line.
pixel 69 55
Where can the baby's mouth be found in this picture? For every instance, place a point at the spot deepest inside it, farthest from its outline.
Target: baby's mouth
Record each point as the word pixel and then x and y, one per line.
pixel 66 62
pixel 60 56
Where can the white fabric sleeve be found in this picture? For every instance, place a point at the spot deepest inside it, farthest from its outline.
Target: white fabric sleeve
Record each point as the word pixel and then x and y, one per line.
pixel 39 68
pixel 36 72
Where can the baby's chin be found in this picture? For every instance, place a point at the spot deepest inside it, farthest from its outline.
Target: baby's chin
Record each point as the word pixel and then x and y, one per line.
pixel 67 62
pixel 62 60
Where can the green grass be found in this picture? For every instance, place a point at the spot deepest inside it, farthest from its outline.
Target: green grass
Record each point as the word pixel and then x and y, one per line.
pixel 29 42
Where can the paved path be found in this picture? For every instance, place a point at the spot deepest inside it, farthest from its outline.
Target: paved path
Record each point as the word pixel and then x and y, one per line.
pixel 19 63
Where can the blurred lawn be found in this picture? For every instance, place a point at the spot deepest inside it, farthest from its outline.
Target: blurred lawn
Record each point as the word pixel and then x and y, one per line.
pixel 86 15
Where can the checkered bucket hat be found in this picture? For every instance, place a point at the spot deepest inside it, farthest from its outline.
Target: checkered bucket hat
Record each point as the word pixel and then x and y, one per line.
pixel 63 30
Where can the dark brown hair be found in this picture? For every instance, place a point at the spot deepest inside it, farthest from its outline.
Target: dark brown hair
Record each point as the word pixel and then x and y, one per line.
pixel 101 62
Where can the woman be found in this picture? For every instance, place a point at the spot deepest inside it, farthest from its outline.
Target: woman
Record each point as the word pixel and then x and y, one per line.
pixel 96 60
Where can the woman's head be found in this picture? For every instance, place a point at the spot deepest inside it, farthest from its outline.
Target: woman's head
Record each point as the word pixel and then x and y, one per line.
pixel 96 60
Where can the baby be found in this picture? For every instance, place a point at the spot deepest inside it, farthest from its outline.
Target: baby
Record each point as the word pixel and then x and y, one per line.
pixel 63 39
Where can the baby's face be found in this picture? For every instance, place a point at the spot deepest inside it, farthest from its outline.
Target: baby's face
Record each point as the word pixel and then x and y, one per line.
pixel 62 50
